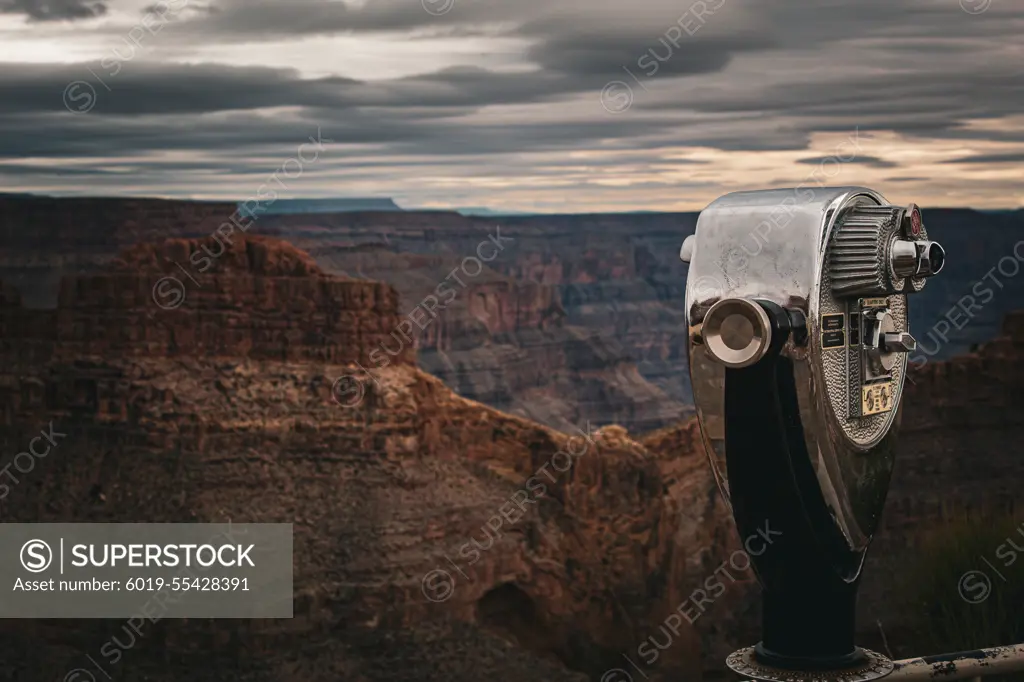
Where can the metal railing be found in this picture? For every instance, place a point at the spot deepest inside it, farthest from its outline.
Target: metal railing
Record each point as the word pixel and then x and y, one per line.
pixel 962 665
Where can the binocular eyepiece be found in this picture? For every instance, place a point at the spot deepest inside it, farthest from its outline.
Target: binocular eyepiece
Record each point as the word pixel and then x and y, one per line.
pixel 796 306
pixel 916 259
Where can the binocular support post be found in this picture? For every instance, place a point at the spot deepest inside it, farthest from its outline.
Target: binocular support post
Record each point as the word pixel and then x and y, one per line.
pixel 808 610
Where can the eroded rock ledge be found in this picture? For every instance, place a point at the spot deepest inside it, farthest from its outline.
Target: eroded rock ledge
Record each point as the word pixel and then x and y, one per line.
pixel 563 551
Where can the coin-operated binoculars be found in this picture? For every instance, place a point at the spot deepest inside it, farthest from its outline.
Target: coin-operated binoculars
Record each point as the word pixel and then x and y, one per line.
pixel 796 303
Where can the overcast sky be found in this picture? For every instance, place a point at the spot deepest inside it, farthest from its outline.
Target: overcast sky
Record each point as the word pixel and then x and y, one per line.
pixel 548 105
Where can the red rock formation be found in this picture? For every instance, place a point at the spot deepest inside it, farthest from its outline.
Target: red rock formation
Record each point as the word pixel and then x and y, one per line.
pixel 506 342
pixel 259 298
pixel 94 224
pixel 598 533
pixel 620 287
pixel 42 239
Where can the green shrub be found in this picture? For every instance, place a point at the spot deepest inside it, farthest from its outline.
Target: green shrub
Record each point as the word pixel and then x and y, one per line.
pixel 962 592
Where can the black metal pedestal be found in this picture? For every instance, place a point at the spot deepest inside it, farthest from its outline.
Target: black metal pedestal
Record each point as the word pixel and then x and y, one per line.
pixel 808 572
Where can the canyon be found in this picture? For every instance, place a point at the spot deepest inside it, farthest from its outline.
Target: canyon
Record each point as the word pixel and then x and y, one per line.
pixel 225 408
pixel 257 397
pixel 575 318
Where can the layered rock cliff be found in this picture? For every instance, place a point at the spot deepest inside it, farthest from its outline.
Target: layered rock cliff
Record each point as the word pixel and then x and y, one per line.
pixel 576 317
pixel 502 340
pixel 42 239
pixel 435 537
pixel 261 300
pixel 506 339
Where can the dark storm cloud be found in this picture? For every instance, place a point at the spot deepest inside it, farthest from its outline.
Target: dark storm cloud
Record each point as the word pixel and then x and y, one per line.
pixel 918 67
pixel 989 158
pixel 55 135
pixel 586 42
pixel 172 8
pixel 24 169
pixel 596 56
pixel 54 10
pixel 172 121
pixel 214 107
pixel 872 161
pixel 934 105
pixel 148 88
pixel 249 20
pixel 583 37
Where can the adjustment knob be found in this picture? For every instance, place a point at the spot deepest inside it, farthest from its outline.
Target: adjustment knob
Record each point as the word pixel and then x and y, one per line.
pixel 899 342
pixel 737 332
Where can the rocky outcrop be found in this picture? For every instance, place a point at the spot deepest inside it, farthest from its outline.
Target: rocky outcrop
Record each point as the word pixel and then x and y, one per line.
pixel 435 537
pixel 618 278
pixel 42 239
pixel 259 299
pixel 505 341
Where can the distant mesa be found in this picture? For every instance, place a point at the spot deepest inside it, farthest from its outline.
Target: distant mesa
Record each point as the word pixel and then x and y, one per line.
pixel 296 206
pixel 484 212
pixel 358 205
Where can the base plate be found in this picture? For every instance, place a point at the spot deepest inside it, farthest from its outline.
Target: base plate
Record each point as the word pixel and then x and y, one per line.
pixel 744 663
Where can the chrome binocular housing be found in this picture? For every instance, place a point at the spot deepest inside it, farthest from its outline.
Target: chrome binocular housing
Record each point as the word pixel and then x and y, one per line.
pixel 796 307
